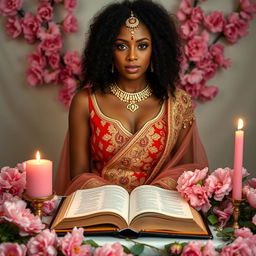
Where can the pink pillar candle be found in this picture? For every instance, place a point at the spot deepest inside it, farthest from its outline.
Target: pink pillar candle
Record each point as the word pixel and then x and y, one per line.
pixel 238 162
pixel 39 178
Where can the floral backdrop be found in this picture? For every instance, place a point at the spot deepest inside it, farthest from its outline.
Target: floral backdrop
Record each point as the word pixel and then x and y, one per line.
pixel 204 35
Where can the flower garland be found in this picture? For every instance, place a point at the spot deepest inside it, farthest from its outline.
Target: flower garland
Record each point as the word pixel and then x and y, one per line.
pixel 22 233
pixel 201 57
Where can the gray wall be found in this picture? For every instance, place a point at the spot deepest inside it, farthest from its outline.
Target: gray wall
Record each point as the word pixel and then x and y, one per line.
pixel 33 118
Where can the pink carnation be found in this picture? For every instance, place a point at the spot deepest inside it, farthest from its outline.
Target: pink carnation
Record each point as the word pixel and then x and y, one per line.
pixel 50 206
pixel 10 7
pixel 70 244
pixel 188 29
pixel 51 32
pixel 248 8
pixel 73 61
pixel 70 24
pixel 115 249
pixel 243 232
pixel 208 93
pixel 35 75
pixel 193 89
pixel 30 26
pixel 13 27
pixel 217 53
pixel 36 59
pixel 12 249
pixel 192 248
pixel 66 92
pixel 44 12
pixel 17 213
pixel 219 183
pixel 224 212
pixel 70 5
pixel 195 76
pixel 4 198
pixel 51 45
pixel 54 60
pixel 51 77
pixel 44 243
pixel 189 178
pixel 186 6
pixel 12 181
pixel 197 15
pixel 215 21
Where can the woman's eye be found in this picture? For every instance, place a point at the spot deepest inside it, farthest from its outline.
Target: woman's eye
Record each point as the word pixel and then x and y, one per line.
pixel 121 47
pixel 143 46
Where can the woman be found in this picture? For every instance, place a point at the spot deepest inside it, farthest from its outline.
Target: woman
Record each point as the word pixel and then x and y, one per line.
pixel 128 124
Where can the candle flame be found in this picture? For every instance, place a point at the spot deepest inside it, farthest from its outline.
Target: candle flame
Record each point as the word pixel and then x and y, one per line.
pixel 38 155
pixel 240 124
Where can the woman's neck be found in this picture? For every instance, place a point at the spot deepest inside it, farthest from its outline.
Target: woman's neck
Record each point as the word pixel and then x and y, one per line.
pixel 132 85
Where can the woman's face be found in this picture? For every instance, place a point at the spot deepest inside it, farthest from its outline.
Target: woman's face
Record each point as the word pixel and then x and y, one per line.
pixel 132 55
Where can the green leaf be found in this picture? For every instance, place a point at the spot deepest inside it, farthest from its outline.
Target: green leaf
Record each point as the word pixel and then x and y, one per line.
pixel 212 219
pixel 126 249
pixel 228 230
pixel 137 249
pixel 220 234
pixel 91 242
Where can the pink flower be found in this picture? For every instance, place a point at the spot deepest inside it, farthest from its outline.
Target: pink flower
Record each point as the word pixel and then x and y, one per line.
pixel 224 212
pixel 192 249
pixel 44 243
pixel 73 61
pixel 197 197
pixel 70 5
pixel 50 206
pixel 196 48
pixel 54 60
pixel 17 213
pixel 30 26
pixel 66 92
pixel 193 89
pixel 175 248
pixel 254 220
pixel 209 250
pixel 208 66
pixel 243 232
pixel 52 32
pixel 115 249
pixel 195 76
pixel 12 249
pixel 70 244
pixel 70 24
pixel 21 166
pixel 252 182
pixel 35 75
pixel 208 93
pixel 4 198
pixel 248 8
pixel 10 7
pixel 251 197
pixel 186 6
pixel 51 45
pixel 44 12
pixel 189 178
pixel 215 21
pixel 217 53
pixel 12 181
pixel 219 183
pixel 51 77
pixel 181 15
pixel 13 27
pixel 188 29
pixel 197 15
pixel 36 59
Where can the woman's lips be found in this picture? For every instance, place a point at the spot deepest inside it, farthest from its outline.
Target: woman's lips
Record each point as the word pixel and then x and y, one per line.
pixel 132 69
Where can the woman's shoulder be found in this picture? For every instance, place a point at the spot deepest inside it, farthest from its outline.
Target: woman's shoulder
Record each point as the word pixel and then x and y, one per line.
pixel 182 95
pixel 81 99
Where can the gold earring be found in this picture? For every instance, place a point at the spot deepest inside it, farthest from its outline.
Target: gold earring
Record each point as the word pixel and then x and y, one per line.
pixel 112 68
pixel 151 67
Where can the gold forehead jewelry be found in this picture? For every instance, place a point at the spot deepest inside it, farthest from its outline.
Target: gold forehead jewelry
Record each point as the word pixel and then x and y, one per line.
pixel 132 23
pixel 131 97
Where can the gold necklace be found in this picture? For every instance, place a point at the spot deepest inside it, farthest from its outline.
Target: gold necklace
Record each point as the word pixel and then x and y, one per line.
pixel 131 97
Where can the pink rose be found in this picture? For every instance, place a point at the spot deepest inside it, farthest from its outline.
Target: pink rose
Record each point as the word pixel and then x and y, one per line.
pixel 208 93
pixel 70 24
pixel 192 249
pixel 219 183
pixel 12 181
pixel 30 26
pixel 70 5
pixel 10 7
pixel 17 213
pixel 44 12
pixel 115 249
pixel 4 198
pixel 251 197
pixel 13 27
pixel 73 61
pixel 215 21
pixel 197 197
pixel 71 244
pixel 254 220
pixel 44 243
pixel 195 76
pixel 49 207
pixel 197 15
pixel 188 29
pixel 252 182
pixel 51 77
pixel 196 48
pixel 217 53
pixel 51 32
pixel 224 212
pixel 51 45
pixel 243 232
pixel 189 178
pixel 35 75
pixel 209 250
pixel 66 92
pixel 12 249
pixel 36 59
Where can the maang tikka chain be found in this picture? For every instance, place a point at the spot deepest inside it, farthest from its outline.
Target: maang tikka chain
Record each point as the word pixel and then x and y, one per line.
pixel 132 23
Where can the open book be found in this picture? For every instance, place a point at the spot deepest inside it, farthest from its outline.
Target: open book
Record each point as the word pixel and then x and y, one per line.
pixel 146 209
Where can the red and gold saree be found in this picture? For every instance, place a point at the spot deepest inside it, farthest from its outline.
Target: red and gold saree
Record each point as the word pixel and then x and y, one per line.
pixel 153 155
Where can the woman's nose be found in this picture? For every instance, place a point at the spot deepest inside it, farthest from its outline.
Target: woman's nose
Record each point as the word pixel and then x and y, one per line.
pixel 132 55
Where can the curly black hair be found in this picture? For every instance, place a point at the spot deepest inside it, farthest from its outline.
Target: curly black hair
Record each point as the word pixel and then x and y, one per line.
pixel 98 53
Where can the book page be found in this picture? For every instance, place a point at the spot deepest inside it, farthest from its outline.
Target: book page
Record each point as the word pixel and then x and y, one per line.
pixel 109 198
pixel 153 199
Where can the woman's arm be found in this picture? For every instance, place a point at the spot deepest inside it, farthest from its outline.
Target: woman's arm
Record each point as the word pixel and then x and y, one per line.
pixel 79 134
